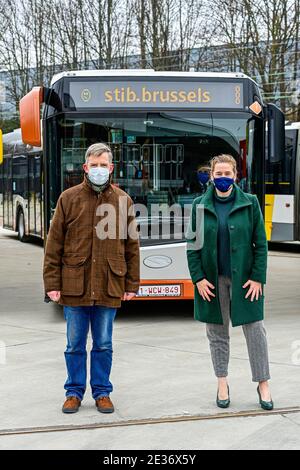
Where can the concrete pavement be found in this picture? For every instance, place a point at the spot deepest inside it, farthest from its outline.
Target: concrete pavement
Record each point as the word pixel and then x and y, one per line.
pixel 161 367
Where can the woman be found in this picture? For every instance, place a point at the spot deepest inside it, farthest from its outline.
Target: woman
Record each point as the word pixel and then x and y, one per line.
pixel 203 173
pixel 228 270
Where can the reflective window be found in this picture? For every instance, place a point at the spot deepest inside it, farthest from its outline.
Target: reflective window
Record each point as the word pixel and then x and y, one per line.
pixel 160 153
pixel 280 176
pixel 157 155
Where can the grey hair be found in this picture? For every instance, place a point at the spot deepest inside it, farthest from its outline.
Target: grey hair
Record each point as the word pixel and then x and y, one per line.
pixel 98 149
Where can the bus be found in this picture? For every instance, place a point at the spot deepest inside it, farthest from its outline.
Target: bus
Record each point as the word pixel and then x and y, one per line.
pixel 21 187
pixel 282 206
pixel 161 126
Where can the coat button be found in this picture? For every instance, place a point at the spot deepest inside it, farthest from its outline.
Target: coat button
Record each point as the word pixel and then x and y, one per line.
pixel 234 270
pixel 94 260
pixel 231 227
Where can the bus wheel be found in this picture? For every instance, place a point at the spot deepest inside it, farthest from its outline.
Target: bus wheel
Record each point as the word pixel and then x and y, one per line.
pixel 21 227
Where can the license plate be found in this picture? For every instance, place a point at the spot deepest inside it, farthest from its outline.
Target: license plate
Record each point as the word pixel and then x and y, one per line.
pixel 160 290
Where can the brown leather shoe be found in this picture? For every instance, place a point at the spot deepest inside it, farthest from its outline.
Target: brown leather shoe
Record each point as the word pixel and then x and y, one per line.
pixel 104 405
pixel 71 405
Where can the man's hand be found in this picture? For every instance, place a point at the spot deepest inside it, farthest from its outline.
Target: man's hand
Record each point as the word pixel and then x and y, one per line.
pixel 204 289
pixel 255 289
pixel 54 295
pixel 128 295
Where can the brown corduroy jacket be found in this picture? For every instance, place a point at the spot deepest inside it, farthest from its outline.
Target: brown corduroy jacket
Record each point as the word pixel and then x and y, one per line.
pixel 86 265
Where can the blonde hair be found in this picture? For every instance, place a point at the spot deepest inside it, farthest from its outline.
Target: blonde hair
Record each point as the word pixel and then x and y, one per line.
pixel 223 158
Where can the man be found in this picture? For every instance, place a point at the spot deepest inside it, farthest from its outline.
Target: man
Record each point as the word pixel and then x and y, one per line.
pixel 91 264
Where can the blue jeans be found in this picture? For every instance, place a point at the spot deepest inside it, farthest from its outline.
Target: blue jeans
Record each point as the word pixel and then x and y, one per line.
pixel 78 322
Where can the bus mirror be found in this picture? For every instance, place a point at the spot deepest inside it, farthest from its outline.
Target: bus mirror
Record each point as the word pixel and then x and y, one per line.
pixel 276 134
pixel 30 110
pixel 1 148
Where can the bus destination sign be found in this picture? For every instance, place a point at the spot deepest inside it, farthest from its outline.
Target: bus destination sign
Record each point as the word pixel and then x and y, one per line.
pixel 156 94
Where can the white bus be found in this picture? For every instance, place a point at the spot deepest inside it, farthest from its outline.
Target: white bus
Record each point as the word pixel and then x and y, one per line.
pixel 282 202
pixel 161 126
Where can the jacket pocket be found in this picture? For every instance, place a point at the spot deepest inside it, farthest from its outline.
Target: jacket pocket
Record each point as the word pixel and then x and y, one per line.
pixel 117 269
pixel 73 275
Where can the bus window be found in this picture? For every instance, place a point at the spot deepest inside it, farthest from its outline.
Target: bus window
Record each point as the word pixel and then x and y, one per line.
pixel 161 152
pixel 280 176
pixel 239 136
pixel 157 155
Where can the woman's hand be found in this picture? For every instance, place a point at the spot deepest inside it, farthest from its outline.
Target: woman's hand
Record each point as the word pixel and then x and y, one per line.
pixel 204 289
pixel 255 289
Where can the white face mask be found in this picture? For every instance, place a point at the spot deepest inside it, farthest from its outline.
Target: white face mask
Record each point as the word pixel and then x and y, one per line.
pixel 98 175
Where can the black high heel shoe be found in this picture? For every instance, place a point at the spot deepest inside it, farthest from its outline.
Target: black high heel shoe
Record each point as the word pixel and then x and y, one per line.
pixel 266 405
pixel 223 403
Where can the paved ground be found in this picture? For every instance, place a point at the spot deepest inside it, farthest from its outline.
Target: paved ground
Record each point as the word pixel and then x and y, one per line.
pixel 161 368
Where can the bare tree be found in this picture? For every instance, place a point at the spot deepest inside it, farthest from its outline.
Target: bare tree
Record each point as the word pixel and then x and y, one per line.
pixel 261 38
pixel 141 13
pixel 103 30
pixel 15 49
pixel 66 19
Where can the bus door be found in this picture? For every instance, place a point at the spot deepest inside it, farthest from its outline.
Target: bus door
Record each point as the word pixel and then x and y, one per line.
pixel 20 186
pixel 35 194
pixel 38 194
pixel 7 192
pixel 31 194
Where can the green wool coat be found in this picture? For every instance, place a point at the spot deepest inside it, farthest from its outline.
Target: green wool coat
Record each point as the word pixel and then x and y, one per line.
pixel 248 250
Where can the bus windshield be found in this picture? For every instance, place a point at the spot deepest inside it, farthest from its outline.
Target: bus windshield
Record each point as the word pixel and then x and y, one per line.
pixel 157 155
